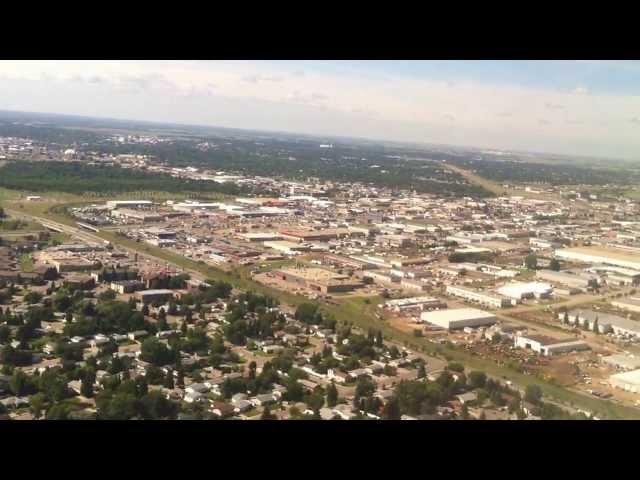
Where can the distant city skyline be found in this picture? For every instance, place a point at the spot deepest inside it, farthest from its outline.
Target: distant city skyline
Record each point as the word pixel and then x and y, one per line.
pixel 589 108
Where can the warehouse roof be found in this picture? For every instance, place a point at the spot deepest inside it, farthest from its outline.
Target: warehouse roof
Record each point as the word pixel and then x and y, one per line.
pixel 632 377
pixel 457 314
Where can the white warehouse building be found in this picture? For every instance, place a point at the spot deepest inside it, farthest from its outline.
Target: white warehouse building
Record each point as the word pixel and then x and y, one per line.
pixel 484 298
pixel 458 318
pixel 629 381
pixel 521 290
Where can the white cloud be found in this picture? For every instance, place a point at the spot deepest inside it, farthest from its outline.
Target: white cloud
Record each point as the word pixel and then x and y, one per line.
pixel 312 100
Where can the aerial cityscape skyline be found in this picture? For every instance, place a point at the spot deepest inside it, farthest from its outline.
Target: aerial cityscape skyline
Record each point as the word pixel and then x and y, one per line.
pixel 588 108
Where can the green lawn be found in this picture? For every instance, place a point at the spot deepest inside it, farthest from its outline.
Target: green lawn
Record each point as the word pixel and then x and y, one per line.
pixel 26 263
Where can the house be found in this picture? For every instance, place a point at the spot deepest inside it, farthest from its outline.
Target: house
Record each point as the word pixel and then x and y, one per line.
pixel 242 406
pixel 384 395
pixel 326 413
pixel 336 376
pixel 263 399
pixel 98 340
pixel 193 397
pixel 75 386
pixel 272 349
pixel 308 385
pixel 355 374
pixel 137 335
pixel 238 397
pixel 222 410
pixel 279 390
pixel 14 402
pixel 467 397
pixel 345 412
pixel 197 388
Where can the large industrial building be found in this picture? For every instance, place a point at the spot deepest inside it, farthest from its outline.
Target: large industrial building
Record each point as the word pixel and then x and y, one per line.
pixel 129 203
pixel 483 298
pixel 423 303
pixel 549 346
pixel 458 318
pixel 574 280
pixel 520 290
pixel 287 247
pixel 154 295
pixel 607 255
pixel 606 322
pixel 629 381
pixel 632 304
pixel 319 279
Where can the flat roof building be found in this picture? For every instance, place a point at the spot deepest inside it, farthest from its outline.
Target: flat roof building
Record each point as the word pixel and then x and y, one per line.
pixel 484 298
pixel 319 279
pixel 549 346
pixel 632 304
pixel 629 381
pixel 606 322
pixel 607 255
pixel 521 290
pixel 458 318
pixel 156 295
pixel 572 280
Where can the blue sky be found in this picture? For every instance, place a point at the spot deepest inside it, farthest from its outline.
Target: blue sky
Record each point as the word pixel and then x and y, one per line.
pixel 615 77
pixel 572 107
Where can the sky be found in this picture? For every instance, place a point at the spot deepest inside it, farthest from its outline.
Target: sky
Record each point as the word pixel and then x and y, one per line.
pixel 589 108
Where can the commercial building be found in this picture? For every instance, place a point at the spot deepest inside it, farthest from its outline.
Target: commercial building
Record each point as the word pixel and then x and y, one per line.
pixel 129 203
pixel 458 318
pixel 521 290
pixel 622 362
pixel 618 275
pixel 608 255
pixel 415 302
pixel 319 279
pixel 413 285
pixel 126 286
pixel 605 322
pixel 629 381
pixel 577 280
pixel 137 215
pixel 261 236
pixel 632 304
pixel 317 235
pixel 487 299
pixel 155 295
pixel 288 247
pixel 549 346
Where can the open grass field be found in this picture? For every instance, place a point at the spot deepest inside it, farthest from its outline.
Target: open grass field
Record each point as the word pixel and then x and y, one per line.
pixel 493 187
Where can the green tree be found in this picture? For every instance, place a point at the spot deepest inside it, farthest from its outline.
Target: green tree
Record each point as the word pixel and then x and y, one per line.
pixel 477 379
pixel 37 402
pixel 531 261
pixel 156 352
pixel 332 395
pixel 86 386
pixel 21 384
pixel 267 415
pixel 533 394
pixel 58 411
pixel 554 264
pixel 391 411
